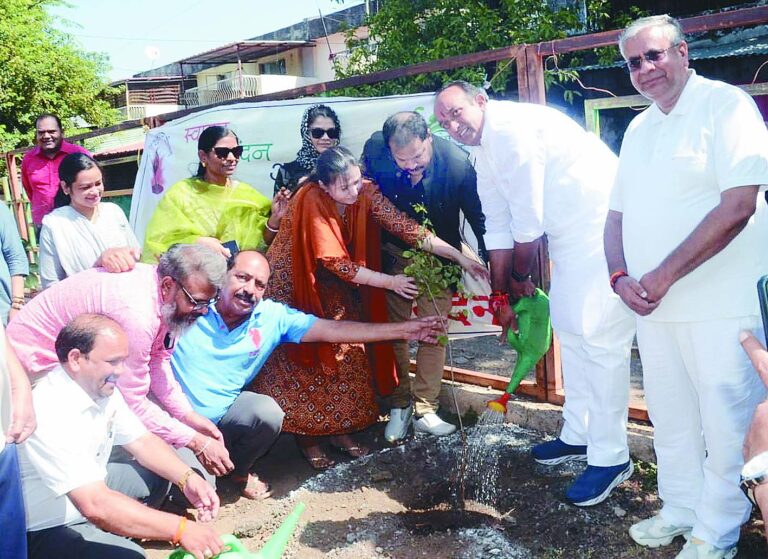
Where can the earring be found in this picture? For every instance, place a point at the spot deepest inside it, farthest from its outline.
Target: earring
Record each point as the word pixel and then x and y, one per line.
pixel 203 164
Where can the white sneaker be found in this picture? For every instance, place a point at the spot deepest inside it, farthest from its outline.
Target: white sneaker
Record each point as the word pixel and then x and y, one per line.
pixel 432 424
pixel 698 549
pixel 655 532
pixel 399 421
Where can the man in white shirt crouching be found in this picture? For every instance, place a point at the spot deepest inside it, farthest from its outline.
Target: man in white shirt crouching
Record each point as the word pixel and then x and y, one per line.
pixel 71 511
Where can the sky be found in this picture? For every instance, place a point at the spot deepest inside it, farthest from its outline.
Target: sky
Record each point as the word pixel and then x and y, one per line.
pixel 138 35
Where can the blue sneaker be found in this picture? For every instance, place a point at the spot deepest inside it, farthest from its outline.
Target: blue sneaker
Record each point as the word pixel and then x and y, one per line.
pixel 594 485
pixel 557 452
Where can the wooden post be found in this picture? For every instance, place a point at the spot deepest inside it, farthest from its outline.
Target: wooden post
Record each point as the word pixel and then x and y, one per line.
pixel 16 198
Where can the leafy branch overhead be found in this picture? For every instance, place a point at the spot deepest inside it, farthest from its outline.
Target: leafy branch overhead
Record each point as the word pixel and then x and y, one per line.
pixel 42 69
pixel 405 32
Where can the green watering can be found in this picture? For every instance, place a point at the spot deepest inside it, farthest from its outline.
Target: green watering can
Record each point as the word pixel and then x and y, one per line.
pixel 531 341
pixel 273 549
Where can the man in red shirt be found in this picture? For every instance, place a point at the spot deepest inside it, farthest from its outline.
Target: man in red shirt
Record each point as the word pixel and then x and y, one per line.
pixel 40 166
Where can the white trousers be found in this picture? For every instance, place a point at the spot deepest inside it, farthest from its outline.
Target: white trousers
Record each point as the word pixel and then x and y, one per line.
pixel 596 381
pixel 701 392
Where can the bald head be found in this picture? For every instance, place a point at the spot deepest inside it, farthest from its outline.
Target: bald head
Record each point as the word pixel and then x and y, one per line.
pixel 80 333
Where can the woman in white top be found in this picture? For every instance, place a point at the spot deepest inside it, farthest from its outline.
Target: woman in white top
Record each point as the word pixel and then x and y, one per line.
pixel 83 231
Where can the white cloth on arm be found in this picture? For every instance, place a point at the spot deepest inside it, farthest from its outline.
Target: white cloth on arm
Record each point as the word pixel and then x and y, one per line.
pixel 539 172
pixel 71 243
pixel 70 447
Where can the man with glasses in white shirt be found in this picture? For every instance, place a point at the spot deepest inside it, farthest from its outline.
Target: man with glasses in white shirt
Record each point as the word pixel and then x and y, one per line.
pixel 683 242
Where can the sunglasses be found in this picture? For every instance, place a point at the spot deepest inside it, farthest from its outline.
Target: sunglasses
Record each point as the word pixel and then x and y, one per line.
pixel 197 305
pixel 223 153
pixel 317 133
pixel 636 62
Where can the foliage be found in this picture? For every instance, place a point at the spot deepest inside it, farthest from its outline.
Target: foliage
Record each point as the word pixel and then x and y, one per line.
pixel 406 32
pixel 42 69
pixel 428 271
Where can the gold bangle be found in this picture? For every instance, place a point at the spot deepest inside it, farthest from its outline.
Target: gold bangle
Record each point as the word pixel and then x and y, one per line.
pixel 270 229
pixel 182 483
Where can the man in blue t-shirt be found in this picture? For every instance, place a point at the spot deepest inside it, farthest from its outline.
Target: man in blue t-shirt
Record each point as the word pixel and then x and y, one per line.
pixel 225 349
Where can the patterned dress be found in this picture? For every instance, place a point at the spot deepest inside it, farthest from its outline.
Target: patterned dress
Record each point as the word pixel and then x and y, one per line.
pixel 318 401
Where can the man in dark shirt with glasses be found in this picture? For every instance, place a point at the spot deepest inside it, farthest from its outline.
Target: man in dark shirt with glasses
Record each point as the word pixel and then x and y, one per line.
pixel 412 167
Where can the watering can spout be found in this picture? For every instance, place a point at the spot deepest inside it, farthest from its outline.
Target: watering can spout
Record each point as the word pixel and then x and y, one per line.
pixel 531 341
pixel 273 549
pixel 276 545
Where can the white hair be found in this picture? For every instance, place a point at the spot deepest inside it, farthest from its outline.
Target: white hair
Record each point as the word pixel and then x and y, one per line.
pixel 669 26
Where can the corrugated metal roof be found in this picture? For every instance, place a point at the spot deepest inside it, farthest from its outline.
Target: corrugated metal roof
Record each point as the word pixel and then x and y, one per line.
pixel 741 42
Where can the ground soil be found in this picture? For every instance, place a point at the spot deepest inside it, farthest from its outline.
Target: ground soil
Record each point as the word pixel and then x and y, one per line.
pixel 405 502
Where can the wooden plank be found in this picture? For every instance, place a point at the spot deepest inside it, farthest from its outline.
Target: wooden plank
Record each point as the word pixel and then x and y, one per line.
pixel 723 20
pixel 114 193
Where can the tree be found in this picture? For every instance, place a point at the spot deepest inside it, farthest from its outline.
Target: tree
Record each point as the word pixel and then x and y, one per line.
pixel 405 32
pixel 43 70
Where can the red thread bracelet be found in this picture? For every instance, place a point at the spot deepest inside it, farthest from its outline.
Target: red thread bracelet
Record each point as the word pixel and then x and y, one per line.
pixel 616 276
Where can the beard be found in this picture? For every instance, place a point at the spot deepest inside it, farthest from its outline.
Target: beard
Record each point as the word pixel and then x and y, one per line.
pixel 176 324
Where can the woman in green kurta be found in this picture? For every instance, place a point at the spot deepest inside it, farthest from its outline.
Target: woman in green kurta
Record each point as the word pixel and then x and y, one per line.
pixel 212 208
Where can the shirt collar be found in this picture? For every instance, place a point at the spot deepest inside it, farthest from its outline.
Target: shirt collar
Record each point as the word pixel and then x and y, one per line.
pixel 66 148
pixel 71 392
pixel 684 102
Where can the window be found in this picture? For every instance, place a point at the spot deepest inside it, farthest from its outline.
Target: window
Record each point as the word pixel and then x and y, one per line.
pixel 276 67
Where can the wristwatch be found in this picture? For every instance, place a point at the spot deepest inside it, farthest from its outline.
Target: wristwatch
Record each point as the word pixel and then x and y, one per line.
pixel 754 473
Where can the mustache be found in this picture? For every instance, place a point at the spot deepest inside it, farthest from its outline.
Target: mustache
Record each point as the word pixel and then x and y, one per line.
pixel 111 378
pixel 245 297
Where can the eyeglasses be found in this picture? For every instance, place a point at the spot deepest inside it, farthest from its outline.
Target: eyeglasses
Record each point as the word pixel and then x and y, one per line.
pixel 317 133
pixel 197 305
pixel 634 63
pixel 223 153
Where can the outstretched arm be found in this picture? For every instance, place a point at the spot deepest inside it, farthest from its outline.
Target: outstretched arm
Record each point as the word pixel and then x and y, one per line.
pixel 423 329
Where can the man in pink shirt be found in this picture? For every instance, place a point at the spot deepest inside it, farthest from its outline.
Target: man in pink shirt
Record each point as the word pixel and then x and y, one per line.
pixel 153 304
pixel 40 166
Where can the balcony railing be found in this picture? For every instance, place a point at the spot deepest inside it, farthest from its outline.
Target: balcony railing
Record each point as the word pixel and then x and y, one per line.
pixel 133 112
pixel 239 87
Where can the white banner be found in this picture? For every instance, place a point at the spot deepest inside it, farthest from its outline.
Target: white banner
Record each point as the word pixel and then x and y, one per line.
pixel 270 133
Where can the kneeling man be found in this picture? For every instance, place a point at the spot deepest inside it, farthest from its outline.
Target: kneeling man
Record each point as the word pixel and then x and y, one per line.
pixel 225 349
pixel 71 511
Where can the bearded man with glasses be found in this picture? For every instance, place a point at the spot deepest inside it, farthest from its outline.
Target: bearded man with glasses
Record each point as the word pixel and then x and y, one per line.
pixel 683 241
pixel 154 305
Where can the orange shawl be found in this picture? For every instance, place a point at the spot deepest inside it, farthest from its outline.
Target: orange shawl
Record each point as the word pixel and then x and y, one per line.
pixel 319 232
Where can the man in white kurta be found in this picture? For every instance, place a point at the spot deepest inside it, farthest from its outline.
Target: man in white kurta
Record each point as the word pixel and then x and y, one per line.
pixel 539 173
pixel 686 235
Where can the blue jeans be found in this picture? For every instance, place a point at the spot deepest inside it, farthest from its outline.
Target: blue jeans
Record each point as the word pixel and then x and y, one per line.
pixel 13 543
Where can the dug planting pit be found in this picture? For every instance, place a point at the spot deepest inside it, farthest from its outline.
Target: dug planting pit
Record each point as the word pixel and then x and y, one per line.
pixel 406 502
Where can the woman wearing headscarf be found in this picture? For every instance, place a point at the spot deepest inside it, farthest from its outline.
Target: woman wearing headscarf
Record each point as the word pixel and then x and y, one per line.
pixel 320 130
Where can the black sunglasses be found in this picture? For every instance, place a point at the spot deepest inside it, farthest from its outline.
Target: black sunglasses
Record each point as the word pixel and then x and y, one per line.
pixel 636 62
pixel 317 133
pixel 223 153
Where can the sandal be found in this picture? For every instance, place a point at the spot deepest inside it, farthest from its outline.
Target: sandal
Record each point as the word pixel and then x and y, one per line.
pixel 253 487
pixel 351 449
pixel 319 461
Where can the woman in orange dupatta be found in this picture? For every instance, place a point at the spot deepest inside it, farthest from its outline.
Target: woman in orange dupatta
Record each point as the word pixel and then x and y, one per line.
pixel 323 262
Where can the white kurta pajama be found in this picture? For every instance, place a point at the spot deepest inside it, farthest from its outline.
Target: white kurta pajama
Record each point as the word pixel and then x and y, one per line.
pixel 540 173
pixel 700 387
